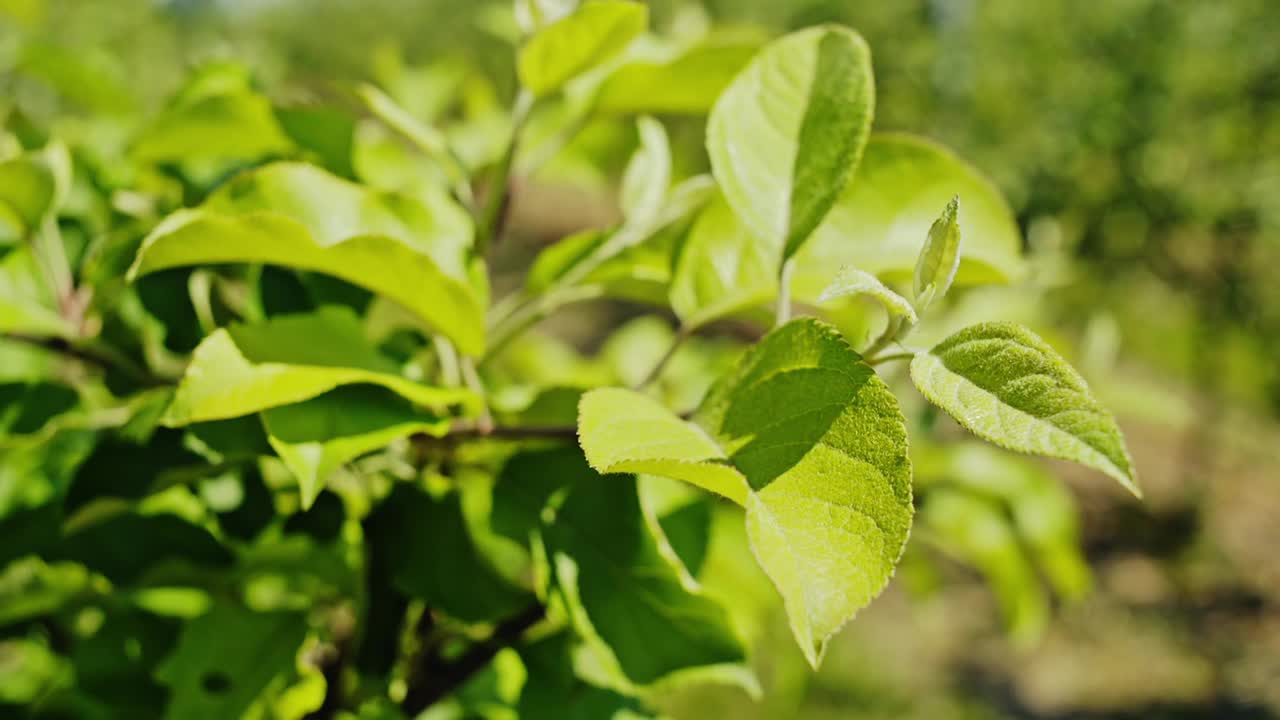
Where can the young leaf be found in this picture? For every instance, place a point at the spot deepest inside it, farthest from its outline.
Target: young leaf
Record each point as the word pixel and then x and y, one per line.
pixel 624 431
pixel 1008 386
pixel 787 134
pixel 624 591
pixel 630 261
pixel 722 268
pixel 648 174
pixel 686 84
pixel 852 281
pixel 317 436
pixel 893 199
pixel 413 250
pixel 576 43
pixel 820 442
pixel 243 369
pixel 940 257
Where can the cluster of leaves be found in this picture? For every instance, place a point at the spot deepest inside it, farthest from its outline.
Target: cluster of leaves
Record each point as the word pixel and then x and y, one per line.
pixel 270 448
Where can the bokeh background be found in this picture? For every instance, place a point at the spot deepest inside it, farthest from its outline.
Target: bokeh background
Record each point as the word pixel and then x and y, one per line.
pixel 1138 142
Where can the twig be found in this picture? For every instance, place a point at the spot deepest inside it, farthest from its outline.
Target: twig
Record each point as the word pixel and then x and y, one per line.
pixel 889 357
pixel 489 223
pixel 432 680
pixel 784 292
pixel 98 356
pixel 653 374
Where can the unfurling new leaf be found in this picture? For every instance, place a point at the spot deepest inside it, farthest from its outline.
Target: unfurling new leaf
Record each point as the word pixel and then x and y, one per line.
pixel 852 281
pixel 940 257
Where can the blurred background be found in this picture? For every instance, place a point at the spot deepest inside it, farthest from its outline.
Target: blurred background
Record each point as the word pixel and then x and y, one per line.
pixel 1138 142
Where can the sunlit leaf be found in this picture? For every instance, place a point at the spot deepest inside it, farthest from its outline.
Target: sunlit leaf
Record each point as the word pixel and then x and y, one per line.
pixel 413 250
pixel 787 134
pixel 26 304
pixel 623 431
pixel 217 116
pixel 852 281
pixel 884 214
pixel 722 268
pixel 821 445
pixel 32 186
pixel 578 42
pixel 686 84
pixel 242 369
pixel 1008 386
pixel 648 174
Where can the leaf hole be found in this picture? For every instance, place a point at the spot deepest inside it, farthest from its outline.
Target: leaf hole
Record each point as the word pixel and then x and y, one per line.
pixel 215 682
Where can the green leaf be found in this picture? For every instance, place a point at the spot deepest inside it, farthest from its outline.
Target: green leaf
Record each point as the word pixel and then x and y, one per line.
pixel 243 369
pixel 1043 513
pixel 623 588
pixel 688 529
pixel 892 201
pixel 977 531
pixel 940 258
pixel 631 261
pixel 526 484
pixel 820 443
pixel 325 133
pixel 427 138
pixel 216 117
pixel 787 134
pixel 116 665
pixel 852 281
pixel 648 174
pixel 557 693
pixel 412 249
pixel 722 268
pixel 316 437
pixel 32 187
pixel 576 43
pixel 26 304
pixel 686 84
pixel 533 14
pixel 1005 384
pixel 623 431
pixel 126 547
pixel 226 658
pixel 435 558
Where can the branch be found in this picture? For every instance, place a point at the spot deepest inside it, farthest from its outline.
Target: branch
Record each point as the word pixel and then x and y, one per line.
pixel 654 373
pixel 101 357
pixel 432 680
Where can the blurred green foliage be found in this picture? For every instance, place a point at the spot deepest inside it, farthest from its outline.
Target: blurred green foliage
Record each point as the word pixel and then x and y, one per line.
pixel 1137 141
